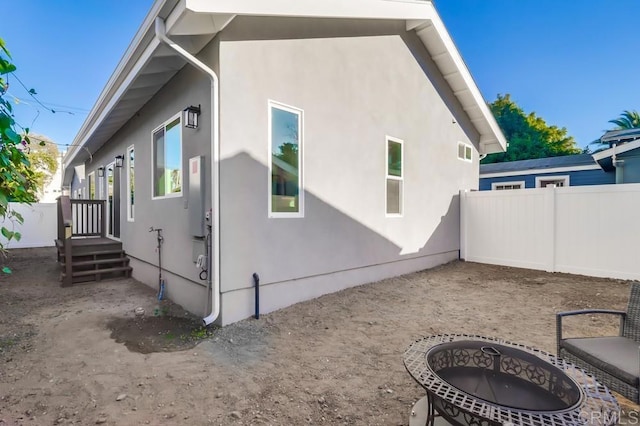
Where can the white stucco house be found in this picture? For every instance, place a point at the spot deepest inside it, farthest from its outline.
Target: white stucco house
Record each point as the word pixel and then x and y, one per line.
pixel 331 143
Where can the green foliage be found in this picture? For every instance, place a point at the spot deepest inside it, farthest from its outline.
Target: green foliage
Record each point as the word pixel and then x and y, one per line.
pixel 17 179
pixel 627 120
pixel 528 135
pixel 43 155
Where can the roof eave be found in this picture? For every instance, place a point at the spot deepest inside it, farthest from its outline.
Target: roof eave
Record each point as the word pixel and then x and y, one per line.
pixel 434 35
pixel 202 17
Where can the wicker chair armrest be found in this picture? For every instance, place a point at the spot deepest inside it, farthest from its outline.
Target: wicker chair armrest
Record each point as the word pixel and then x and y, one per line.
pixel 560 315
pixel 591 311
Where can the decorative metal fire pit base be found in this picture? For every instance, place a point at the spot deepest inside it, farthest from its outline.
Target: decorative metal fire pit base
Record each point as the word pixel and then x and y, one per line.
pixel 475 380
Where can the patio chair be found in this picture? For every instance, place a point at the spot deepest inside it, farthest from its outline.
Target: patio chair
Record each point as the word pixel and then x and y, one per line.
pixel 613 360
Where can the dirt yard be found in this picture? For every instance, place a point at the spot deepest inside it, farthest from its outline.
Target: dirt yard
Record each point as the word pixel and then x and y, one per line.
pixel 80 355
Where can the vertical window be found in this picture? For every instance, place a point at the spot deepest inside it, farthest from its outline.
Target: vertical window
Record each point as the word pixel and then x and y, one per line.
pixel 167 159
pixel 394 177
pixel 130 184
pixel 285 164
pixel 92 186
pixel 464 151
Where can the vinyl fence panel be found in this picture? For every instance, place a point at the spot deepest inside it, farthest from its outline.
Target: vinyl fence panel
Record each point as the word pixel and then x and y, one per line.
pixel 39 227
pixel 588 230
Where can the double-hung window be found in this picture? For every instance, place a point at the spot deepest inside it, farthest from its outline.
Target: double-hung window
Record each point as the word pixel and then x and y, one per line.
pixel 394 179
pixel 286 194
pixel 167 159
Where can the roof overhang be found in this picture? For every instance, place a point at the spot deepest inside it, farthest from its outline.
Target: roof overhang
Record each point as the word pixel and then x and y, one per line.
pixel 620 136
pixel 148 65
pixel 605 158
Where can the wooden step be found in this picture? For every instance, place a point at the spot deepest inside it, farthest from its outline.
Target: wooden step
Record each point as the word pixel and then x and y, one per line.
pixel 98 274
pixel 102 271
pixel 99 253
pixel 91 262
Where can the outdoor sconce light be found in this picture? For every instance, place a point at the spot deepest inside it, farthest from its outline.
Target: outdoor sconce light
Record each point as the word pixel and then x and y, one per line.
pixel 100 171
pixel 119 160
pixel 191 114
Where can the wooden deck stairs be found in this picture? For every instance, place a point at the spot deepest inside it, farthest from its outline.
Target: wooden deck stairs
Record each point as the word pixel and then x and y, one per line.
pixel 84 253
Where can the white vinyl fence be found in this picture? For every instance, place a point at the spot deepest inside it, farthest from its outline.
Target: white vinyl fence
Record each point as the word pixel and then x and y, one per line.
pixel 39 228
pixel 587 230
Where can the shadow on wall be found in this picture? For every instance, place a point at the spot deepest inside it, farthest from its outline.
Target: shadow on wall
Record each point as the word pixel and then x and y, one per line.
pixel 325 240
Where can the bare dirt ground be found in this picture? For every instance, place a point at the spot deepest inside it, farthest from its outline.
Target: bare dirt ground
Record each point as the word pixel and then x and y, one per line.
pixel 79 355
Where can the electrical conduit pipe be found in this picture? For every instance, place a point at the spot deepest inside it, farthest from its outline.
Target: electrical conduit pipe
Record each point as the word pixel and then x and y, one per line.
pixel 214 256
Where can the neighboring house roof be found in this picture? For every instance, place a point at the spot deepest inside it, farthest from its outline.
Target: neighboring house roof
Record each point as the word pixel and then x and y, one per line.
pixel 620 136
pixel 147 65
pixel 605 158
pixel 564 163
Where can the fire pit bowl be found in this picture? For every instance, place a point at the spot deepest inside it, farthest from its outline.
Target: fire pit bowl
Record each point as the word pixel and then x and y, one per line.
pixel 500 375
pixel 484 381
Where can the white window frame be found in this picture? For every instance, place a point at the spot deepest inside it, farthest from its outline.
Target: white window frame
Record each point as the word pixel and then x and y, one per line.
pixel 130 211
pixel 564 178
pixel 467 148
pixel 100 184
pixel 95 190
pixel 300 113
pixel 400 178
pixel 153 160
pixel 495 185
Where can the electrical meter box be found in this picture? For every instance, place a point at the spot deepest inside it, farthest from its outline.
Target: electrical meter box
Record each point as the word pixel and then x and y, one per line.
pixel 196 197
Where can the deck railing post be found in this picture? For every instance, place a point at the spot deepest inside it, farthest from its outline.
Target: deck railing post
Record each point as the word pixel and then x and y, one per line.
pixel 67 230
pixel 103 219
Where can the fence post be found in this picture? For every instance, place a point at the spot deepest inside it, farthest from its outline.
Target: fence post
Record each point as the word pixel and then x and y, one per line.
pixel 550 222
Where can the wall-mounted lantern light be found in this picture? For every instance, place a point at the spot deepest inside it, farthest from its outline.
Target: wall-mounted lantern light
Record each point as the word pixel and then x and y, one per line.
pixel 191 114
pixel 100 171
pixel 119 160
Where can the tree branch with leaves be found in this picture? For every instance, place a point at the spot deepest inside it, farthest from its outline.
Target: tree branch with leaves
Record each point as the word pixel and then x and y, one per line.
pixel 17 178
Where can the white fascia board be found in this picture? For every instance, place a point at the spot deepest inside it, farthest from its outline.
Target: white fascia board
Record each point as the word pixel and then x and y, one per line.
pixel 440 45
pixel 363 9
pixel 96 114
pixel 539 171
pixel 619 149
pixel 104 106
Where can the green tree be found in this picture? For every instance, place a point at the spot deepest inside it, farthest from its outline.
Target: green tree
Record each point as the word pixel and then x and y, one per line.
pixel 627 120
pixel 528 135
pixel 43 155
pixel 17 180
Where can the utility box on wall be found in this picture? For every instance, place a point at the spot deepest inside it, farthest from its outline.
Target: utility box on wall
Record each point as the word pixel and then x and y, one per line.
pixel 196 197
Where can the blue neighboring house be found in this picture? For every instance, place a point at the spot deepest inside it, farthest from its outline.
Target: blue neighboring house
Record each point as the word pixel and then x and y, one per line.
pixel 618 164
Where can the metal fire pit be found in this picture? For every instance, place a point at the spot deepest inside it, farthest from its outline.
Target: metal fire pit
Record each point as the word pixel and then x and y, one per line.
pixel 475 380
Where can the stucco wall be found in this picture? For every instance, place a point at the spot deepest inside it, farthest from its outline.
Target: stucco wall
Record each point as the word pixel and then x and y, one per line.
pixel 356 83
pixel 188 87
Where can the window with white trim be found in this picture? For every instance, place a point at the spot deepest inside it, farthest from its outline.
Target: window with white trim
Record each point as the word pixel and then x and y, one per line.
pixel 465 151
pixel 558 181
pixel 92 185
pixel 286 193
pixel 130 184
pixel 166 158
pixel 394 177
pixel 500 186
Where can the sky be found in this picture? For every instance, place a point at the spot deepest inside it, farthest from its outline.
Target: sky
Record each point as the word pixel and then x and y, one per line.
pixel 572 62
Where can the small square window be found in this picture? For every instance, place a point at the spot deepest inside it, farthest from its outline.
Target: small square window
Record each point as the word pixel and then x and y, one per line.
pixel 465 151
